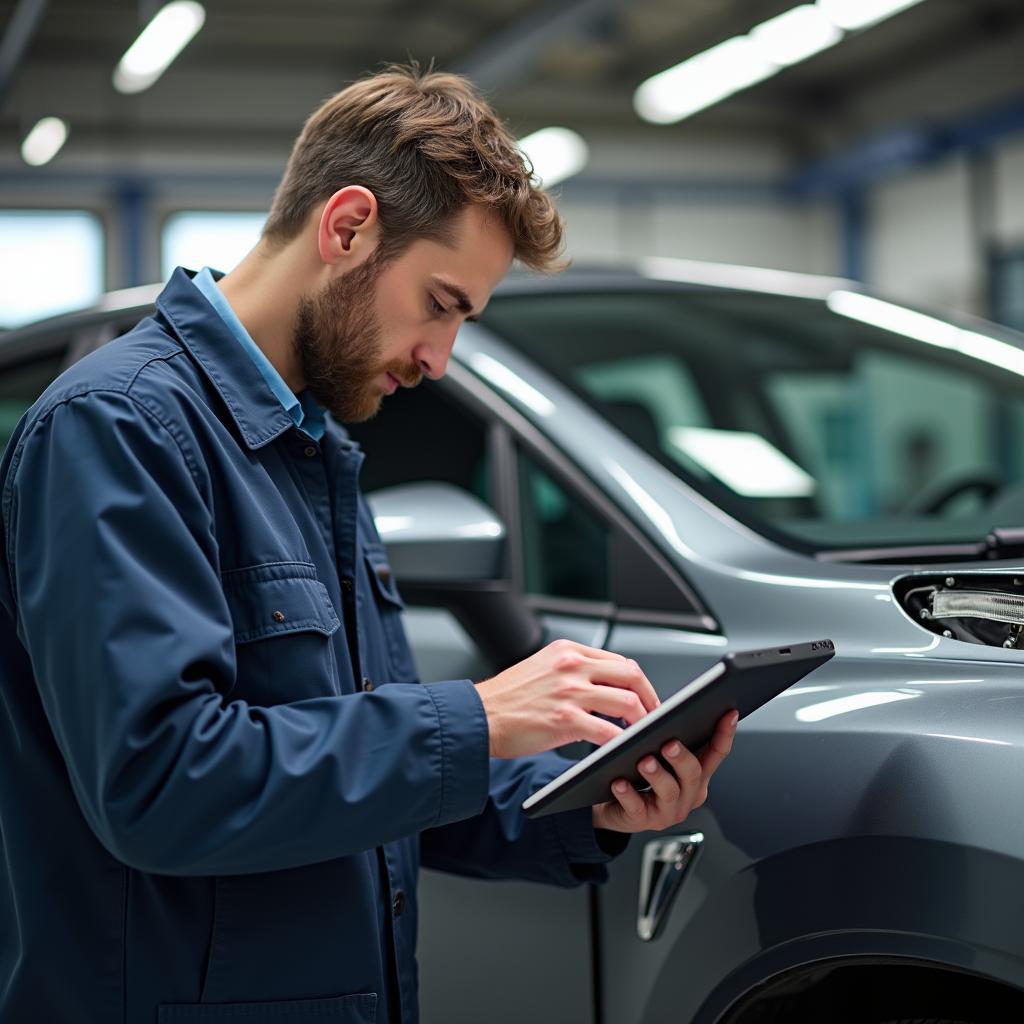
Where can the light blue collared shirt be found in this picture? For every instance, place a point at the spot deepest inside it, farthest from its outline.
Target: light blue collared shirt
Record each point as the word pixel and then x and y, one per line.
pixel 304 410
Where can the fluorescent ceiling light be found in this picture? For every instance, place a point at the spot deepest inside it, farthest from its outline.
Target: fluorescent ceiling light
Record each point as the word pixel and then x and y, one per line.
pixel 796 35
pixel 702 80
pixel 744 462
pixel 555 154
pixel 170 31
pixel 43 143
pixel 850 14
pixel 928 329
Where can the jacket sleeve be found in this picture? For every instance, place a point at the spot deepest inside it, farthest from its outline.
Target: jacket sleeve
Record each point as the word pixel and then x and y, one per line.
pixel 501 842
pixel 113 568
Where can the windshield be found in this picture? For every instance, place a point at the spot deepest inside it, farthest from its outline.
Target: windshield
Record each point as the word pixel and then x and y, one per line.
pixel 849 423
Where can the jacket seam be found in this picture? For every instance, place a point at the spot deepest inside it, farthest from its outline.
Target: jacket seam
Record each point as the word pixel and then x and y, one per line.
pixel 262 565
pixel 172 432
pixel 444 756
pixel 8 492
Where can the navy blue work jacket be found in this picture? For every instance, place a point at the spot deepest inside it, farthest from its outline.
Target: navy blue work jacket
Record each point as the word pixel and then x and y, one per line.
pixel 218 771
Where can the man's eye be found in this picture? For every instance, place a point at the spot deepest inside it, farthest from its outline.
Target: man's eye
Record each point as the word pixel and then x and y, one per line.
pixel 437 307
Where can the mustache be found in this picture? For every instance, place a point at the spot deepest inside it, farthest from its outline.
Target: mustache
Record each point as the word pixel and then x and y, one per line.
pixel 408 375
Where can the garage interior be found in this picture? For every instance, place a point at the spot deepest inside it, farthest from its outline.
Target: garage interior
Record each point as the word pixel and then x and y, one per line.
pixel 887 151
pixel 892 157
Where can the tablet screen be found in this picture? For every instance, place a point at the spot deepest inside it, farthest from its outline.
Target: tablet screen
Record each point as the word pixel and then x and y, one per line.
pixel 743 681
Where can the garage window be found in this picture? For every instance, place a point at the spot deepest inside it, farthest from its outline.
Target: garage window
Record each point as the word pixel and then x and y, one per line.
pixel 51 261
pixel 197 239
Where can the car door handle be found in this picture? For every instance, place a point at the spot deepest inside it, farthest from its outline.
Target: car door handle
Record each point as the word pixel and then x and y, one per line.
pixel 665 864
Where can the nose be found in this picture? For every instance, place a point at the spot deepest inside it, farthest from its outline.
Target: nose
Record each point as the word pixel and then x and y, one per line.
pixel 432 356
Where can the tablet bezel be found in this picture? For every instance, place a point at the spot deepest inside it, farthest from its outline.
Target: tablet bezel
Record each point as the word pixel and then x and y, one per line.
pixel 803 657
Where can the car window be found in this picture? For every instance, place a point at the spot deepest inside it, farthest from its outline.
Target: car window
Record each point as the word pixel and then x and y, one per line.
pixel 565 547
pixel 846 423
pixel 424 434
pixel 20 386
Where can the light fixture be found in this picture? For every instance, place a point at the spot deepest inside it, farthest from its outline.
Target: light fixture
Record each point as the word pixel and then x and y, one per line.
pixel 555 154
pixel 929 329
pixel 742 61
pixel 796 35
pixel 702 80
pixel 851 14
pixel 43 143
pixel 170 31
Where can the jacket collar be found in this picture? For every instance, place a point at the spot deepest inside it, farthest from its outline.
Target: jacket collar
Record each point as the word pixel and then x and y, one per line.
pixel 253 406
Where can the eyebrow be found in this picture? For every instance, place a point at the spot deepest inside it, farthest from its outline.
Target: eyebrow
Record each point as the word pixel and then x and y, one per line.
pixel 462 300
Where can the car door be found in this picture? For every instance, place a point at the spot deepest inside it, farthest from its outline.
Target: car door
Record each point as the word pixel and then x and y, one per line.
pixel 588 575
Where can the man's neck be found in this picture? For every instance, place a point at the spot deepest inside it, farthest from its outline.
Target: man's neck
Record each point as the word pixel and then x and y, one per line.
pixel 264 291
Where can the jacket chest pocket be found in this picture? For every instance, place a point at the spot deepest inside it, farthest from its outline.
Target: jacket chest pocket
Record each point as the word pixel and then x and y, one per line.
pixel 283 623
pixel 383 625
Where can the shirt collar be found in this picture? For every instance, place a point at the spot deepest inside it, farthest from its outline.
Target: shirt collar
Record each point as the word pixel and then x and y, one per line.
pixel 253 404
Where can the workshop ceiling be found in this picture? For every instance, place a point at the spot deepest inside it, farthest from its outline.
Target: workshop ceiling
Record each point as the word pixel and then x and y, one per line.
pixel 258 67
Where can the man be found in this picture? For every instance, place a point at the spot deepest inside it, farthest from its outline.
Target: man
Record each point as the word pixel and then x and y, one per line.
pixel 217 782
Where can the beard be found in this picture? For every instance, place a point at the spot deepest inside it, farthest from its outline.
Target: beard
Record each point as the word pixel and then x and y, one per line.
pixel 337 341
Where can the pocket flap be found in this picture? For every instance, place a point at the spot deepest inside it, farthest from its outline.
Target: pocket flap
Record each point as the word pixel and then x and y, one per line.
pixel 276 598
pixel 382 578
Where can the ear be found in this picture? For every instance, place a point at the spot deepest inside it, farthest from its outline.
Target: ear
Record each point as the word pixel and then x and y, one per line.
pixel 348 225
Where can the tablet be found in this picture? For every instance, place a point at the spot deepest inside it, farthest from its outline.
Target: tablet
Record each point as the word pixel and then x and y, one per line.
pixel 743 681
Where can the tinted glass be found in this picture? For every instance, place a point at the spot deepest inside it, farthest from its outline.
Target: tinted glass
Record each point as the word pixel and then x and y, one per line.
pixel 565 548
pixel 798 415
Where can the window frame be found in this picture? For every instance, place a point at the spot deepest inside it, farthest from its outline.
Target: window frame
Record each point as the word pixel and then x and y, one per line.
pixel 632 556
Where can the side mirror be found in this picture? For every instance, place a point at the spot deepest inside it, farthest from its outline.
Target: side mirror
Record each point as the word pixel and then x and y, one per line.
pixel 437 533
pixel 447 548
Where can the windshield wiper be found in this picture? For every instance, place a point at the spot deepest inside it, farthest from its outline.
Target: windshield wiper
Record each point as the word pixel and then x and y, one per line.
pixel 1005 542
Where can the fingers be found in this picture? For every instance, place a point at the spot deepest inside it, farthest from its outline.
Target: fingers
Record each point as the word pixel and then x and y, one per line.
pixel 665 787
pixel 610 700
pixel 595 730
pixel 593 652
pixel 625 674
pixel 629 800
pixel 720 745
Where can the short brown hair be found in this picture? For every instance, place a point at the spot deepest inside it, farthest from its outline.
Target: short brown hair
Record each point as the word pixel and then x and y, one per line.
pixel 426 145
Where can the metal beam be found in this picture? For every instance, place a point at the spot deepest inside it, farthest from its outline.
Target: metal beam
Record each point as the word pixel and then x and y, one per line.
pixel 511 52
pixel 20 30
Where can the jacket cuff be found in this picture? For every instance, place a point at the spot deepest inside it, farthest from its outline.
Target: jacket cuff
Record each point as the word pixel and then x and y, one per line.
pixel 465 746
pixel 587 849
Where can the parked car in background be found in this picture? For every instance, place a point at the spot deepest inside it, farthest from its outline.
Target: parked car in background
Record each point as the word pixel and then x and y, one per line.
pixel 678 460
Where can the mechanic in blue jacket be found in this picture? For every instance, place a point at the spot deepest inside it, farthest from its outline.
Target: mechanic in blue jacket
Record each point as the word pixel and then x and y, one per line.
pixel 216 783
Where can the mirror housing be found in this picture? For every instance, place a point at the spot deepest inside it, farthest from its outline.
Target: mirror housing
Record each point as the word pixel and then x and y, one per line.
pixel 448 549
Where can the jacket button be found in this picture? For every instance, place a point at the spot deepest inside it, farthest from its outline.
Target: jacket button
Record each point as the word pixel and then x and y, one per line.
pixel 346 583
pixel 398 904
pixel 367 684
pixel 279 616
pixel 309 451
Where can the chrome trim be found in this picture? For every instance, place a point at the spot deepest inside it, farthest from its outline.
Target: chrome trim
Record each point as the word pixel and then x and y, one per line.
pixel 666 863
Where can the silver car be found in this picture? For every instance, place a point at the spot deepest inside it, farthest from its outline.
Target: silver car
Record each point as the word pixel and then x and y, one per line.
pixel 679 460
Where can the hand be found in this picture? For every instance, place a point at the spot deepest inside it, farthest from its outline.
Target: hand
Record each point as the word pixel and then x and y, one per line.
pixel 673 794
pixel 546 700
